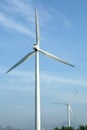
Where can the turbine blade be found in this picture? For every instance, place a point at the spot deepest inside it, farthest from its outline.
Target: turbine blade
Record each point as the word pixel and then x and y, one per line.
pixel 37 29
pixel 21 61
pixel 59 103
pixel 55 57
pixel 73 97
pixel 70 108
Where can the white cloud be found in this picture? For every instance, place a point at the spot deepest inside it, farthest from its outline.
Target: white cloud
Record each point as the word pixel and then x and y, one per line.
pixel 11 23
pixel 67 23
pixel 63 19
pixel 22 8
pixel 19 16
pixel 28 77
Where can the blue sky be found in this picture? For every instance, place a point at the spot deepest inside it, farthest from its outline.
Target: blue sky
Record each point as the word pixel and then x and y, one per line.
pixel 63 28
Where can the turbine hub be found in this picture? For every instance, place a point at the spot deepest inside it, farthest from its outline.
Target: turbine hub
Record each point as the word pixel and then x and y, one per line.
pixel 35 47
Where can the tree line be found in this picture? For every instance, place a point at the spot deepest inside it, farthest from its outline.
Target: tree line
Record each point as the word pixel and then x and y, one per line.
pixel 80 127
pixel 8 128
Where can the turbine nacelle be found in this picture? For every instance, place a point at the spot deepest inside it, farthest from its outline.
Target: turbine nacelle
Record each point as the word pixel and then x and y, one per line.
pixel 36 47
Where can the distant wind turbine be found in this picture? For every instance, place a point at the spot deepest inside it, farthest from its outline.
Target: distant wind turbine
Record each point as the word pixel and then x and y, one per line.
pixel 36 51
pixel 69 110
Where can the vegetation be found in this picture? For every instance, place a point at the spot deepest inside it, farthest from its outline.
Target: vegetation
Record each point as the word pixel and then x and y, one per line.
pixel 8 128
pixel 81 127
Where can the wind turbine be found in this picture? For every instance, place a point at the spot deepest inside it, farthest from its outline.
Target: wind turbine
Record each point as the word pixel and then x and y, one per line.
pixel 69 110
pixel 36 48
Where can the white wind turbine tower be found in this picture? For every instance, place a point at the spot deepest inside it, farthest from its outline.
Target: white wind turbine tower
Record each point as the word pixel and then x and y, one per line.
pixel 69 110
pixel 36 51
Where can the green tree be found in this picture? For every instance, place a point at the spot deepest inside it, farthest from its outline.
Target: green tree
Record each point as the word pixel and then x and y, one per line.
pixel 67 128
pixel 56 128
pixel 85 127
pixel 81 127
